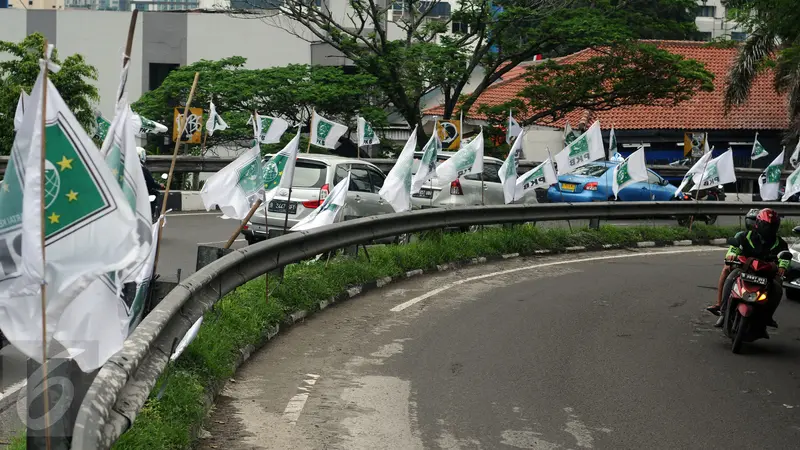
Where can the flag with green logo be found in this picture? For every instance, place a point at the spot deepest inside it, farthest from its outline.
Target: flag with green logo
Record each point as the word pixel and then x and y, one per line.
pixel 467 160
pixel 101 127
pixel 718 171
pixel 278 172
pixel 770 180
pixel 366 135
pixel 144 126
pixel 215 121
pixel 324 132
pixel 569 134
pixel 612 147
pixel 540 177
pixel 427 164
pixel 237 186
pixel 631 170
pixel 698 167
pixel 508 171
pixel 396 189
pixel 268 130
pixel 82 202
pixel 583 150
pixel 329 210
pixel 513 130
pixel 758 150
pixel 792 185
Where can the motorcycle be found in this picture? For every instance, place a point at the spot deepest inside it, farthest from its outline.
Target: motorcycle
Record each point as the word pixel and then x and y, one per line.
pixel 714 194
pixel 744 305
pixel 791 281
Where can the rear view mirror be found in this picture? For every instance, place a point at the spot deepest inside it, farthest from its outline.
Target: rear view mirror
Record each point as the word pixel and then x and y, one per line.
pixel 786 254
pixel 796 230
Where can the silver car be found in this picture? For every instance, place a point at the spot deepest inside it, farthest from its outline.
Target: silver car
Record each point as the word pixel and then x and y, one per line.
pixel 314 177
pixel 466 191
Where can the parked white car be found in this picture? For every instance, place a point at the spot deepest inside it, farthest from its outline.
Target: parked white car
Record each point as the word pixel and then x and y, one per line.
pixel 465 191
pixel 314 178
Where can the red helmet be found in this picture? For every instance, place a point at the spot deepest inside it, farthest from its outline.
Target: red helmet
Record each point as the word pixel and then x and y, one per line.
pixel 767 223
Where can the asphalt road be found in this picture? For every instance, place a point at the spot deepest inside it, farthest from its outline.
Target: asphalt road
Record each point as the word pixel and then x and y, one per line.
pixel 611 353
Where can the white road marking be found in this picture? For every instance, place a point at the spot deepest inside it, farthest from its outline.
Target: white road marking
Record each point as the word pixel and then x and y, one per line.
pixel 219 242
pixel 13 389
pixel 298 402
pixel 437 291
pixel 210 213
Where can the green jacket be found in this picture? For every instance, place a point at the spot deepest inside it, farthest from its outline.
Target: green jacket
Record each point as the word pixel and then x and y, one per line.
pixel 750 245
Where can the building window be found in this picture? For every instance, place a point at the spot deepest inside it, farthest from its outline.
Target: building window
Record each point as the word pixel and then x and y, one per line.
pixel 705 36
pixel 707 11
pixel 738 36
pixel 459 27
pixel 159 72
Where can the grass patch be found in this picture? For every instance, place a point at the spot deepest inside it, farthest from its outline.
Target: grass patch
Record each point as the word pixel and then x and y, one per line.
pixel 241 318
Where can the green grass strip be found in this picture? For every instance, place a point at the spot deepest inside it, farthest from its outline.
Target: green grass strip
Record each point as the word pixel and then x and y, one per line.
pixel 242 317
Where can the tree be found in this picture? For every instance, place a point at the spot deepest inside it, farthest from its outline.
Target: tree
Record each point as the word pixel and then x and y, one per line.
pixel 290 92
pixel 414 55
pixel 19 71
pixel 773 42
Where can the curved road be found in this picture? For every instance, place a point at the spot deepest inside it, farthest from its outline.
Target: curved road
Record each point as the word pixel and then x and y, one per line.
pixel 613 353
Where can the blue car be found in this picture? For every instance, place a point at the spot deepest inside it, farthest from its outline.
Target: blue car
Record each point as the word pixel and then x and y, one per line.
pixel 593 183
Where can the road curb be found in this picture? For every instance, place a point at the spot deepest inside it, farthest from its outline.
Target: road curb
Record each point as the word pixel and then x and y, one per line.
pixel 213 391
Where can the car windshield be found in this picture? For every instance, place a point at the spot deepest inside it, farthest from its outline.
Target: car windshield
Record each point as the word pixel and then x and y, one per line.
pixel 307 174
pixel 590 170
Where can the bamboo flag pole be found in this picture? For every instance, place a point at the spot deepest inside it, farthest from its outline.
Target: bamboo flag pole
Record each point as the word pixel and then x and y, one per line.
pixel 243 223
pixel 126 58
pixel 172 165
pixel 310 131
pixel 42 163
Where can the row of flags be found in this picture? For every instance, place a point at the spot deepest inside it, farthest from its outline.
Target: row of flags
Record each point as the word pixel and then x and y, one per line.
pixel 75 227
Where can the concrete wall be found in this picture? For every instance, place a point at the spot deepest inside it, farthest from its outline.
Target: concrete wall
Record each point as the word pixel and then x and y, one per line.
pixel 13 27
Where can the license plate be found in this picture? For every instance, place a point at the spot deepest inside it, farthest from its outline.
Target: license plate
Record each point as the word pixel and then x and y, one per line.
pixel 755 279
pixel 279 206
pixel 424 193
pixel 568 187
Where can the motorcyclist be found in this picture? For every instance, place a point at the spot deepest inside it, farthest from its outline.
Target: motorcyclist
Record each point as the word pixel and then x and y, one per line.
pixel 152 185
pixel 761 242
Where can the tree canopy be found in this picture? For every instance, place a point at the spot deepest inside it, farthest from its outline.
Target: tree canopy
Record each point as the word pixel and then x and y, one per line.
pixel 18 71
pixel 423 50
pixel 773 42
pixel 290 92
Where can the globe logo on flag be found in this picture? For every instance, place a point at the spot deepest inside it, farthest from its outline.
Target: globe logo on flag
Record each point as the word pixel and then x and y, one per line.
pixel 52 183
pixel 579 147
pixel 622 174
pixel 323 128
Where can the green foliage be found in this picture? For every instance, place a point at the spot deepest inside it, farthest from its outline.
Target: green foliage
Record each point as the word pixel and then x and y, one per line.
pixel 244 317
pixel 19 67
pixel 290 92
pixel 424 60
pixel 631 73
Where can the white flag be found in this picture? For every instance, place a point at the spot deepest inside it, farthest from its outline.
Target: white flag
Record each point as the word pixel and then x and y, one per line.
pixel 583 150
pixel 770 180
pixel 569 134
pixel 540 177
pixel 698 167
pixel 508 171
pixel 513 130
pixel 237 186
pixel 279 170
pixel 325 133
pixel 215 121
pixel 187 339
pixel 758 150
pixel 612 147
pixel 795 159
pixel 327 212
pixel 21 105
pixel 718 171
pixel 145 126
pixel 427 164
pixel 396 189
pixel 366 135
pixel 630 171
pixel 82 201
pixel 469 159
pixel 792 185
pixel 268 130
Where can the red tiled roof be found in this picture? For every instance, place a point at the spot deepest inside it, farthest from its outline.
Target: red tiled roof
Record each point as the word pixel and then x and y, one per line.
pixel 764 109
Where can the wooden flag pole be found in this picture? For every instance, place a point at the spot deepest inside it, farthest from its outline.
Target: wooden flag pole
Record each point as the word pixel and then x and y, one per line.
pixel 42 163
pixel 243 223
pixel 172 165
pixel 126 58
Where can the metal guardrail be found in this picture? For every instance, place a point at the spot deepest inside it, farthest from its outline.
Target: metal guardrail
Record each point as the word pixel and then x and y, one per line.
pixel 124 383
pixel 184 164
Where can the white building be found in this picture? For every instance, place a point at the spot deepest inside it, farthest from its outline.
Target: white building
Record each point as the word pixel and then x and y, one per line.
pixel 713 23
